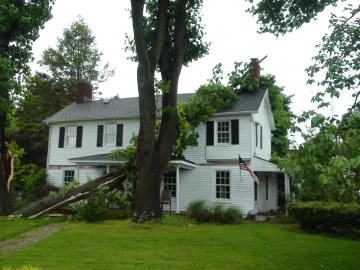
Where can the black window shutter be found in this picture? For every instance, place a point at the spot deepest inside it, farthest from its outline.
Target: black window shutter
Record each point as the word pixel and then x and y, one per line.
pixel 119 134
pixel 61 137
pixel 79 133
pixel 261 139
pixel 235 131
pixel 100 134
pixel 210 133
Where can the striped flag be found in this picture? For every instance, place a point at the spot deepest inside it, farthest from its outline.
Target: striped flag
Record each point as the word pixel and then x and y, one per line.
pixel 244 167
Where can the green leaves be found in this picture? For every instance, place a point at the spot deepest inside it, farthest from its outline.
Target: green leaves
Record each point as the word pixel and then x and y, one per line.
pixel 280 17
pixel 75 57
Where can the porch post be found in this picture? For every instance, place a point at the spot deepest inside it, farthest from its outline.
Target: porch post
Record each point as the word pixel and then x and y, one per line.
pixel 177 189
pixel 287 188
pixel 107 168
pixel 77 173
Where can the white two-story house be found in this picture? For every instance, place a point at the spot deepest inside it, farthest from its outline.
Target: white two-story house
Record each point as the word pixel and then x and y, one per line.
pixel 83 134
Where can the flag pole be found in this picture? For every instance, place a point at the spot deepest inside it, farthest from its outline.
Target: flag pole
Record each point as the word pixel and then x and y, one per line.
pixel 240 169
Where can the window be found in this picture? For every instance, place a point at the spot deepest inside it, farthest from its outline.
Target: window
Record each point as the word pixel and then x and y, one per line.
pixel 71 136
pixel 258 135
pixel 170 182
pixel 110 134
pixel 222 185
pixel 267 187
pixel 68 176
pixel 223 128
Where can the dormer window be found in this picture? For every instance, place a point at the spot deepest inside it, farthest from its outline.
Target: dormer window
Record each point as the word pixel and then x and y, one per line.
pixel 223 131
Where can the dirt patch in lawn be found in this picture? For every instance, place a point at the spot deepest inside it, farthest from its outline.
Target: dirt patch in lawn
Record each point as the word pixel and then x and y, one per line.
pixel 23 240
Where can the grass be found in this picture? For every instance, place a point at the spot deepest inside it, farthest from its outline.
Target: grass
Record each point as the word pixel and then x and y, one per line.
pixel 9 228
pixel 122 245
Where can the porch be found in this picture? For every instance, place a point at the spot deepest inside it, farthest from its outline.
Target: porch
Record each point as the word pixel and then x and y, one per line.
pixel 103 164
pixel 274 188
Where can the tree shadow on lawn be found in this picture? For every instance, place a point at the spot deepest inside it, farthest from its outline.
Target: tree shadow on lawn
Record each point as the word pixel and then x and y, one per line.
pixel 341 235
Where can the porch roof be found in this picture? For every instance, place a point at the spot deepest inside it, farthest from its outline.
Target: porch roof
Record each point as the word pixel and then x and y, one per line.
pixel 105 159
pixel 262 165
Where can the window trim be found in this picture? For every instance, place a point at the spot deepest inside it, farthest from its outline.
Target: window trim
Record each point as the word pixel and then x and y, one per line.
pixel 67 145
pixel 258 135
pixel 64 175
pixel 171 184
pixel 217 132
pixel 105 134
pixel 222 200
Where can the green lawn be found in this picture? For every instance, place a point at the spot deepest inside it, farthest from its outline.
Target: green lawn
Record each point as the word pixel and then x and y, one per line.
pixel 12 227
pixel 121 245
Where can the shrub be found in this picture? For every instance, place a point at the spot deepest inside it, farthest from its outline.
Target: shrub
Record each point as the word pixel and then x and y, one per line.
pixel 326 216
pixel 96 208
pixel 198 211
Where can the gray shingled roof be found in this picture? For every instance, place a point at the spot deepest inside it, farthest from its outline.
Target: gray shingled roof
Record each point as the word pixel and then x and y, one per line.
pixel 102 157
pixel 106 157
pixel 129 108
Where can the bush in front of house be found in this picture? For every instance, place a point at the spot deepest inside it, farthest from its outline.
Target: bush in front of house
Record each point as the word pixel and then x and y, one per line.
pixel 200 212
pixel 326 217
pixel 103 204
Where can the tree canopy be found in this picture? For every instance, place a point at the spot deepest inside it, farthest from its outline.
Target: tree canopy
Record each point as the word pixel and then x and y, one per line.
pixel 326 166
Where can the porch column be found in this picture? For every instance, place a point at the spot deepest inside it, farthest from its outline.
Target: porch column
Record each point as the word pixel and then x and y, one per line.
pixel 287 188
pixel 107 169
pixel 78 173
pixel 177 189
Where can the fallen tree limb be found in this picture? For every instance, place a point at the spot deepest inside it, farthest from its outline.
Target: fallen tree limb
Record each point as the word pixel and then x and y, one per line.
pixel 38 206
pixel 72 199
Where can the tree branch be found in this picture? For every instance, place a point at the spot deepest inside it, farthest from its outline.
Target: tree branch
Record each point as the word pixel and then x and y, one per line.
pixel 159 34
pixel 137 9
pixel 169 120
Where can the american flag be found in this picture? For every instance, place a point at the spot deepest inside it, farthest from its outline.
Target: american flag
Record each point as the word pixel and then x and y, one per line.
pixel 244 167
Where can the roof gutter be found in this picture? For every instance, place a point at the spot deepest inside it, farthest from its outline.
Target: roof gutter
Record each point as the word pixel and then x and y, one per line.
pixel 235 113
pixel 137 117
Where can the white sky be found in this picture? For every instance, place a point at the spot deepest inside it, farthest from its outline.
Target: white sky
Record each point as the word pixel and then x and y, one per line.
pixel 233 34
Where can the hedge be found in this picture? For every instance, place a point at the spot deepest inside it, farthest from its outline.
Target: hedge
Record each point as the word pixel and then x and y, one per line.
pixel 326 216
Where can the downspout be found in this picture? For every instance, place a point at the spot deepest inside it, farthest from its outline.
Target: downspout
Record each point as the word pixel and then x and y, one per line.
pixel 48 152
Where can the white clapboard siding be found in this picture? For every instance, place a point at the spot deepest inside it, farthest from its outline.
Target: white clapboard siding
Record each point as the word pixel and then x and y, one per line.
pixel 199 184
pixel 202 153
pixel 263 204
pixel 262 118
pixel 60 156
pixel 55 178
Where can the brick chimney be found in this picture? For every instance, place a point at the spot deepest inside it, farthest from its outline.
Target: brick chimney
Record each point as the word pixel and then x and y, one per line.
pixel 84 91
pixel 254 69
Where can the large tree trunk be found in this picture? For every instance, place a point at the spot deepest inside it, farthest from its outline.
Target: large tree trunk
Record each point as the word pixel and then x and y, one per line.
pixel 153 156
pixel 39 206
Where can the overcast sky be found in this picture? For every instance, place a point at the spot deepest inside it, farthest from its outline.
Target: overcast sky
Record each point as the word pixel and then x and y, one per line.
pixel 233 34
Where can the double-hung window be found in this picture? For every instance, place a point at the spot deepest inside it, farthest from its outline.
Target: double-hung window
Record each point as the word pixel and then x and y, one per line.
pixel 223 131
pixel 110 134
pixel 71 136
pixel 222 185
pixel 68 176
pixel 170 182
